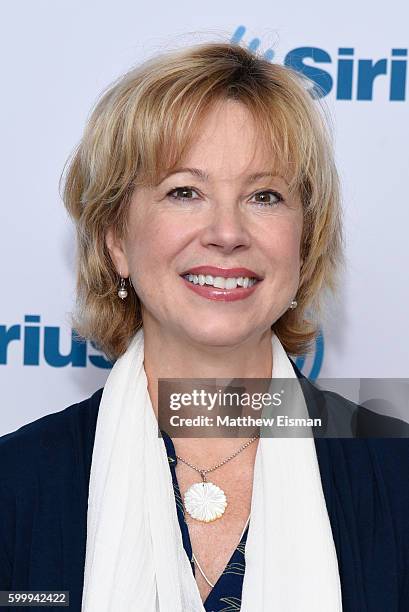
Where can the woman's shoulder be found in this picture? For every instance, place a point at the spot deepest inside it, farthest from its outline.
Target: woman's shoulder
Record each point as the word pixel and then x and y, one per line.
pixel 44 478
pixel 23 450
pixel 366 447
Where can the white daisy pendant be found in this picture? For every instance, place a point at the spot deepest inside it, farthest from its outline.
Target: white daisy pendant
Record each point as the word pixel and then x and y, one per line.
pixel 205 501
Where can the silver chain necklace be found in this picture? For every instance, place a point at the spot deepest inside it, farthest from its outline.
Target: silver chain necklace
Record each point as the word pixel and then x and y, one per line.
pixel 205 501
pixel 197 562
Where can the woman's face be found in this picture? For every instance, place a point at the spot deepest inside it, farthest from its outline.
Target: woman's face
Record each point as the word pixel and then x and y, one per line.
pixel 213 214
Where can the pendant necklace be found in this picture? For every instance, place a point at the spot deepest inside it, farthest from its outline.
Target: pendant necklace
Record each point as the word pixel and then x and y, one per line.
pixel 205 501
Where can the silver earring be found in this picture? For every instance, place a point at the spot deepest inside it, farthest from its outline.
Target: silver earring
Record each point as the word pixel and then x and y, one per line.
pixel 293 304
pixel 122 292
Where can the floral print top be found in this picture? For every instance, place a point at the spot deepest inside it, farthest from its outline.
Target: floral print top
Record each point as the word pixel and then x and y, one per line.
pixel 225 596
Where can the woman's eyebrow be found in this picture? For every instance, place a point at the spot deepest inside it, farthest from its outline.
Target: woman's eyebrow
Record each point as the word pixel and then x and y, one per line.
pixel 203 176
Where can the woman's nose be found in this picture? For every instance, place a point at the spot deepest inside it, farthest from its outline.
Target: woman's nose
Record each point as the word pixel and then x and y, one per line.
pixel 226 228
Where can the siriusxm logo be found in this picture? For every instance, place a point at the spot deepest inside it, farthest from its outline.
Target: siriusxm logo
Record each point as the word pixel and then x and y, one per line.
pixel 41 345
pixel 350 78
pixel 32 336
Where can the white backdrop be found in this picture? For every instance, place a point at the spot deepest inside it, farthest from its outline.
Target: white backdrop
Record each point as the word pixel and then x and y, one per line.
pixel 58 56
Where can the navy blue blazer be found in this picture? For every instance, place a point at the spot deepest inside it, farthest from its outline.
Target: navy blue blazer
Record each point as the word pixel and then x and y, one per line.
pixel 44 479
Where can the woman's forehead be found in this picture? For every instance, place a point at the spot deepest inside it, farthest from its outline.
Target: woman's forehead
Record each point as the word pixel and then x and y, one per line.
pixel 250 148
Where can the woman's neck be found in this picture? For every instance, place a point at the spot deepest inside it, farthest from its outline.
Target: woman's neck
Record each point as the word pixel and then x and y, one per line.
pixel 169 356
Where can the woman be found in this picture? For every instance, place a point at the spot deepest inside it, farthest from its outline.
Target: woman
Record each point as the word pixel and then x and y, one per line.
pixel 206 203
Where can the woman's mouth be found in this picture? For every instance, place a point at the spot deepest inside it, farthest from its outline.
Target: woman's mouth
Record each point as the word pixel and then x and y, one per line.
pixel 222 288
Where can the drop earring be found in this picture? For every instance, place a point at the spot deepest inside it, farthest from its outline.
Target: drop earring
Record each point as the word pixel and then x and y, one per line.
pixel 122 291
pixel 293 304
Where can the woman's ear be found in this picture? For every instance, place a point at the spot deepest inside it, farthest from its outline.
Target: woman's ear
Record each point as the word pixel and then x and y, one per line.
pixel 117 252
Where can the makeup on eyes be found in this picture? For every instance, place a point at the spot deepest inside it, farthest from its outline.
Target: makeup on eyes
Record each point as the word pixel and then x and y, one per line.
pixel 188 188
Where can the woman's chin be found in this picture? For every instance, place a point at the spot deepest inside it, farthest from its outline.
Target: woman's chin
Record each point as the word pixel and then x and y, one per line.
pixel 220 333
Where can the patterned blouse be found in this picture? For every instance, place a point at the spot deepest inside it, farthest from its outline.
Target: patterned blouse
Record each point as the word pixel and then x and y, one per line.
pixel 225 596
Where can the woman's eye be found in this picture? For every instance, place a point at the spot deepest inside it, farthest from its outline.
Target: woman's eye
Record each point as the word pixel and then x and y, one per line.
pixel 184 193
pixel 266 200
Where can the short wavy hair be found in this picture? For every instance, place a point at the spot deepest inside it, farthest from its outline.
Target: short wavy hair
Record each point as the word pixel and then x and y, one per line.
pixel 140 128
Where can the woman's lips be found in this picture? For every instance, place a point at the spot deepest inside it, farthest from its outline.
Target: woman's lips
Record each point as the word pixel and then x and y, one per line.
pixel 223 295
pixel 224 272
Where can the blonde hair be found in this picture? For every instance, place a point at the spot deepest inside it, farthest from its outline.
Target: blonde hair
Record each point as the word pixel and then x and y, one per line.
pixel 140 128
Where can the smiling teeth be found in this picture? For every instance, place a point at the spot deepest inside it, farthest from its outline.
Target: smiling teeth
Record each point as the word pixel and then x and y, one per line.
pixel 220 282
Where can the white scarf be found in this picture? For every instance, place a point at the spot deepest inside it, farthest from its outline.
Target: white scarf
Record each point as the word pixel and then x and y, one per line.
pixel 135 559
